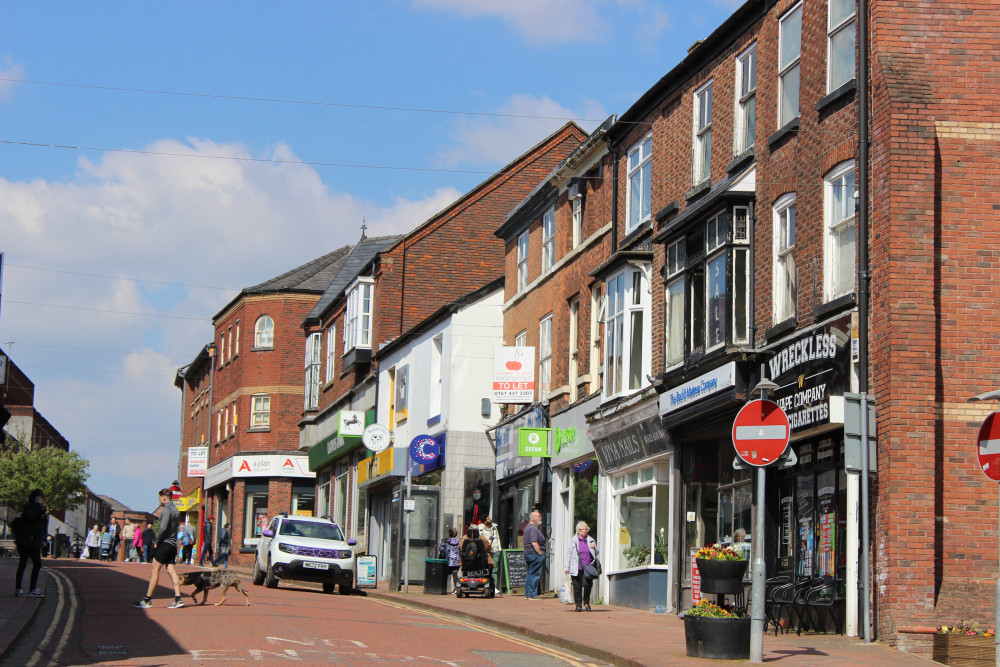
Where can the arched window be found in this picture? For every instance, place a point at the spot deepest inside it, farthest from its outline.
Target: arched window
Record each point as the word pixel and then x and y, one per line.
pixel 264 332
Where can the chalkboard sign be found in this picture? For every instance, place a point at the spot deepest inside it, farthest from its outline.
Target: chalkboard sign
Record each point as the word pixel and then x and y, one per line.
pixel 514 568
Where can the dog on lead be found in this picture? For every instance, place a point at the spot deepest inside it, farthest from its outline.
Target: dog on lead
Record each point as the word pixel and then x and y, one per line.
pixel 206 580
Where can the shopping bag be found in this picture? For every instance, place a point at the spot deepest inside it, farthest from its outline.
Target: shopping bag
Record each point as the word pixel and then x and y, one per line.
pixel 565 594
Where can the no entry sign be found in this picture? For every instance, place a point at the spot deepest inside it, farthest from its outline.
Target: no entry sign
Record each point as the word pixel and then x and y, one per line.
pixel 989 447
pixel 760 432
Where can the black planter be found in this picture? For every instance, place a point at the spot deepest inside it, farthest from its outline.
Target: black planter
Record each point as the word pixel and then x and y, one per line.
pixel 721 576
pixel 717 638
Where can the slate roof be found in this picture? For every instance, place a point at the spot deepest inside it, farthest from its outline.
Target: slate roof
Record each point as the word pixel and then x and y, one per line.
pixel 115 505
pixel 355 261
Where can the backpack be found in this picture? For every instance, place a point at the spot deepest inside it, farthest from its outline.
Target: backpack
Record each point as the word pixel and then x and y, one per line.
pixel 473 554
pixel 185 538
pixel 19 528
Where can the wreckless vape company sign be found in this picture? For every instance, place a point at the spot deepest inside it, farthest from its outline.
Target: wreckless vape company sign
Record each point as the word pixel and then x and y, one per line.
pixel 809 370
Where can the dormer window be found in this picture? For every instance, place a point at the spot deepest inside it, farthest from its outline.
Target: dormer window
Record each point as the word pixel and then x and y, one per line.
pixel 358 321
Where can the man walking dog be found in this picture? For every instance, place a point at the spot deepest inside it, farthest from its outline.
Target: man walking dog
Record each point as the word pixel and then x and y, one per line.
pixel 165 553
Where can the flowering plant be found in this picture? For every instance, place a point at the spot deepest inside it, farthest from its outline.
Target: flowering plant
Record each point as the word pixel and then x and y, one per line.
pixel 716 552
pixel 707 609
pixel 966 628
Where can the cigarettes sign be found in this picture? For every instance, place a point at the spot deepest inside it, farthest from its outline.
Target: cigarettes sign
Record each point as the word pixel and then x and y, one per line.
pixel 513 375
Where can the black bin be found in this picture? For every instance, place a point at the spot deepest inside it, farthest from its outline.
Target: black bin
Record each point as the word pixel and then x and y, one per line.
pixel 436 576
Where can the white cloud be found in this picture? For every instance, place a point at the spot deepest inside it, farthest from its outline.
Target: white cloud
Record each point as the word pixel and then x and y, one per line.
pixel 542 22
pixel 524 120
pixel 105 379
pixel 9 70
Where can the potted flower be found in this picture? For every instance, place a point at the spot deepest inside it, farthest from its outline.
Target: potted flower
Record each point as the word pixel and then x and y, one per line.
pixel 721 569
pixel 720 633
pixel 637 555
pixel 965 643
pixel 660 549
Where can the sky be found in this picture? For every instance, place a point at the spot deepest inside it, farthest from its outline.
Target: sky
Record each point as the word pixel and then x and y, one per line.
pixel 155 158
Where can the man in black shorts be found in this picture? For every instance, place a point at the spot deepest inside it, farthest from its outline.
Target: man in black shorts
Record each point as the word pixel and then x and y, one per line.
pixel 165 553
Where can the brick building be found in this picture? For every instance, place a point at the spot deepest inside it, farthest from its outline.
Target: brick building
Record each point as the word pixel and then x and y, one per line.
pixel 394 288
pixel 242 398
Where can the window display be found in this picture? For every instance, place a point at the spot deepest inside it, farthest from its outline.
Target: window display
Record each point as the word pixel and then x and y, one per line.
pixel 641 504
pixel 255 519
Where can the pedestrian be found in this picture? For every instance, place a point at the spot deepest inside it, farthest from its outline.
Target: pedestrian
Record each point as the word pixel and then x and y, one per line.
pixel 185 542
pixel 107 538
pixel 165 554
pixel 135 553
pixel 128 539
pixel 490 532
pixel 534 556
pixel 116 535
pixel 225 542
pixel 581 555
pixel 29 535
pixel 148 543
pixel 92 546
pixel 206 543
pixel 449 550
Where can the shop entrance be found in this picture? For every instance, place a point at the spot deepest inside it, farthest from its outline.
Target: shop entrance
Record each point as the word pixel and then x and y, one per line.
pixel 423 533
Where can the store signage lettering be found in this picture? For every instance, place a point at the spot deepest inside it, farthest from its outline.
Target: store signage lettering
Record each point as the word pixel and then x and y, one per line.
pixel 375 467
pixel 271 466
pixel 631 444
pixel 808 371
pixel 705 385
pixel 513 374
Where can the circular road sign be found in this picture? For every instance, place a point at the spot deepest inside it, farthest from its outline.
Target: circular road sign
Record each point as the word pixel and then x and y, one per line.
pixel 989 447
pixel 760 432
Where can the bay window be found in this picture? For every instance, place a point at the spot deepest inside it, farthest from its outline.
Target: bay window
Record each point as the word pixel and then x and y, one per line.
pixel 840 209
pixel 626 346
pixel 640 161
pixel 358 320
pixel 789 60
pixel 314 348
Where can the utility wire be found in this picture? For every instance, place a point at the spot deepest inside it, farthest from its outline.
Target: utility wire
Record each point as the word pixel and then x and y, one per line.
pixel 105 310
pixel 12 343
pixel 138 280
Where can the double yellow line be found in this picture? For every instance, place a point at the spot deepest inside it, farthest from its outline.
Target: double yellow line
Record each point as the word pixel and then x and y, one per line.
pixel 555 653
pixel 65 591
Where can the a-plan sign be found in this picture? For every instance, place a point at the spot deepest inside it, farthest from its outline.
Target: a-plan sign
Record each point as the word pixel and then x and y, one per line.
pixel 513 375
pixel 258 465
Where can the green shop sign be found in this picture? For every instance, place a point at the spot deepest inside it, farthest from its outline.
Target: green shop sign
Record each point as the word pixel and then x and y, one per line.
pixel 350 425
pixel 533 442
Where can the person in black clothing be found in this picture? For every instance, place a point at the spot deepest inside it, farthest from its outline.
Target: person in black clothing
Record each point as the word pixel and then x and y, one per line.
pixel 30 538
pixel 148 538
pixel 225 541
pixel 206 542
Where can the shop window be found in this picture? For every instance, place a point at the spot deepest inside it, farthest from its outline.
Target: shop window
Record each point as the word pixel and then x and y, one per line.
pixel 255 516
pixel 340 500
pixel 303 499
pixel 478 501
pixel 641 504
pixel 736 511
pixel 525 501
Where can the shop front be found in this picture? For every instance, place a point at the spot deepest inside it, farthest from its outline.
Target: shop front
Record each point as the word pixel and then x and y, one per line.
pixel 248 489
pixel 523 483
pixel 638 501
pixel 576 481
pixel 334 459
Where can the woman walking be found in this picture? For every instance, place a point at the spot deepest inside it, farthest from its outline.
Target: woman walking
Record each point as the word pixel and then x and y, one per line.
pixel 92 546
pixel 449 550
pixel 581 554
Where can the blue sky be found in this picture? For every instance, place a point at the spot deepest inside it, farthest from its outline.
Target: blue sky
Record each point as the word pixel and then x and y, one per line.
pixel 117 258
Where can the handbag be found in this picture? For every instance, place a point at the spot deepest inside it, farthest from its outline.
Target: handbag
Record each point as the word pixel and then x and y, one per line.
pixel 590 571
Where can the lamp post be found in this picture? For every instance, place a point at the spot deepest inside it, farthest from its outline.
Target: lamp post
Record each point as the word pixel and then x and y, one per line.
pixel 991 396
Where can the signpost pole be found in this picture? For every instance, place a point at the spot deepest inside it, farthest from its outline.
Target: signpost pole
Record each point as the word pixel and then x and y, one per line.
pixel 406 534
pixel 758 576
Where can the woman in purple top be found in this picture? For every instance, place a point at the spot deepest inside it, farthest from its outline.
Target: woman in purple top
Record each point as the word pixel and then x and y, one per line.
pixel 580 557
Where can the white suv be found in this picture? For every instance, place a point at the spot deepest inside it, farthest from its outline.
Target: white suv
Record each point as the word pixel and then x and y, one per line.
pixel 304 548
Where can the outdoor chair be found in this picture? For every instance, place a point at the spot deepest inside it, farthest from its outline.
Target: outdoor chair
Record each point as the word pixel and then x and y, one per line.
pixel 770 586
pixel 818 604
pixel 785 601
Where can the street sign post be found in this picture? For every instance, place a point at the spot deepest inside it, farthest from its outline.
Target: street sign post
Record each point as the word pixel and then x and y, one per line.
pixel 760 432
pixel 989 446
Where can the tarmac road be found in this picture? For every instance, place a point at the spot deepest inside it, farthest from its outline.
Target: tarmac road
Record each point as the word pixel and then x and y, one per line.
pixel 87 618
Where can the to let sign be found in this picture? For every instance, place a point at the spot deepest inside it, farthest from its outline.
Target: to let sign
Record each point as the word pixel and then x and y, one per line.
pixel 760 432
pixel 989 447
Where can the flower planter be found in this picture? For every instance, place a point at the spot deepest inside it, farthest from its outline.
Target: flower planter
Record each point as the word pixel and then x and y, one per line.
pixel 965 650
pixel 721 576
pixel 717 638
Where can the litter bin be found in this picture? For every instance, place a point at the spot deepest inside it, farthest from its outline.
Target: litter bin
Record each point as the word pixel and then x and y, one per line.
pixel 436 576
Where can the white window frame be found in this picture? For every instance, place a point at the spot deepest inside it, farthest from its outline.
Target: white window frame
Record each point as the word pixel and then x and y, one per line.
pixel 702 139
pixel 789 63
pixel 232 425
pixel 263 332
pixel 574 347
pixel 548 239
pixel 218 426
pixel 676 264
pixel 745 125
pixel 744 253
pixel 596 344
pixel 331 352
pixel 837 222
pixel 229 341
pixel 576 208
pixel 222 349
pixel 630 298
pixel 437 374
pixel 260 411
pixel 839 27
pixel 522 260
pixel 784 287
pixel 544 356
pixel 358 318
pixel 236 341
pixel 638 198
pixel 521 339
pixel 314 355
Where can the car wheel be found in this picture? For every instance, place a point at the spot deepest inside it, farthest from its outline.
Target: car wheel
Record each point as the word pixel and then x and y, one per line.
pixel 344 589
pixel 328 586
pixel 270 580
pixel 258 574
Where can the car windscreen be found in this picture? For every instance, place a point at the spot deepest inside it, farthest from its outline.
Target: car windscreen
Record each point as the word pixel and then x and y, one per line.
pixel 322 531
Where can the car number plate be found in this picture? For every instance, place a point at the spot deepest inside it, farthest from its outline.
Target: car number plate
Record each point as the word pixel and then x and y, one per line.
pixel 316 566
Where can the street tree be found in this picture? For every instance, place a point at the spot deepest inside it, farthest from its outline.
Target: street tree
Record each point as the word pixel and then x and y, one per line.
pixel 61 475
